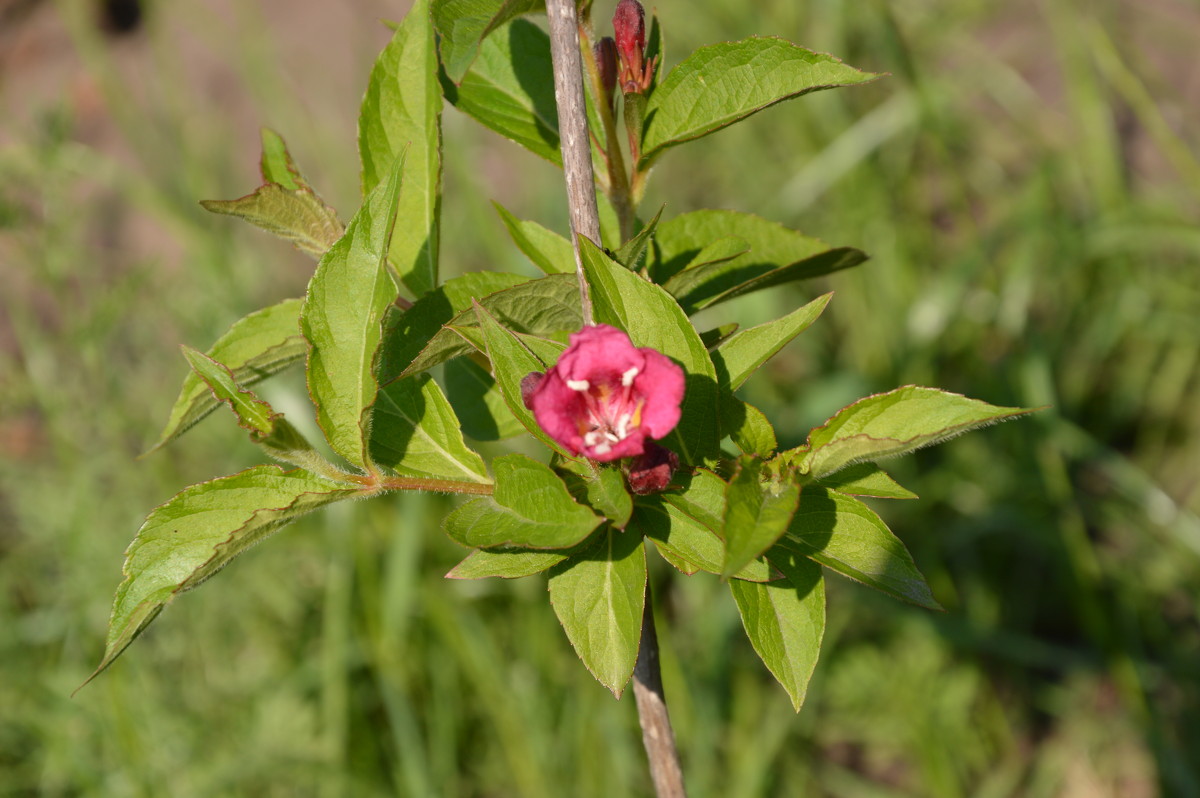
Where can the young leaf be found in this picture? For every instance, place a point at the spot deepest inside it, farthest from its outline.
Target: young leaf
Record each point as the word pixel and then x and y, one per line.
pixel 599 597
pixel 740 355
pixel 689 545
pixel 511 362
pixel 403 107
pixel 266 427
pixel 407 332
pixel 757 512
pixel 602 488
pixel 509 89
pixel 298 216
pixel 785 621
pixel 844 535
pixel 464 24
pixel 651 318
pixel 632 250
pixel 198 532
pixel 276 164
pixel 895 423
pixel 866 479
pixel 549 251
pixel 746 425
pixel 285 204
pixel 720 84
pixel 416 434
pixel 777 255
pixel 530 509
pixel 483 563
pixel 343 321
pixel 259 345
pixel 546 306
pixel 478 402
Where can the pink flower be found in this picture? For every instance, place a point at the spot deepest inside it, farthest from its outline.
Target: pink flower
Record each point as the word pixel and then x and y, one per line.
pixel 605 397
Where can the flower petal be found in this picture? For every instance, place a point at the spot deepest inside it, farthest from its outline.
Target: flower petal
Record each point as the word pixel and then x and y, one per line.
pixel 661 383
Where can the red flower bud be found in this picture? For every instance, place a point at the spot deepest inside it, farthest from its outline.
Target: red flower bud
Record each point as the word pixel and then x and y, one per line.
pixel 529 384
pixel 651 472
pixel 629 26
pixel 605 52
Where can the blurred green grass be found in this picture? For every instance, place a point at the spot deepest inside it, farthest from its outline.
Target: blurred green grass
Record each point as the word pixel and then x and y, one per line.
pixel 1028 192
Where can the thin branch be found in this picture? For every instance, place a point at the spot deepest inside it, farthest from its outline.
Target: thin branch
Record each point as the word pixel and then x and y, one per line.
pixel 657 734
pixel 573 134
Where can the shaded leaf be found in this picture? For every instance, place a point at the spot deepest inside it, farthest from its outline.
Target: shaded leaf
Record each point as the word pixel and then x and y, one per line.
pixel 866 479
pixel 415 433
pixel 400 111
pixel 757 512
pixel 599 597
pixel 722 83
pixel 684 263
pixel 530 508
pixel 746 425
pixel 407 332
pixel 342 319
pixel 508 89
pixel 740 355
pixel 630 253
pixel 546 306
pixel 844 535
pixel 603 488
pixel 198 532
pixel 257 346
pixel 483 563
pixel 478 402
pixel 463 25
pixel 549 251
pixel 785 621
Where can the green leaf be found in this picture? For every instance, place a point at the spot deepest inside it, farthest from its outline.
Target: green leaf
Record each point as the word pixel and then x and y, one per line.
pixel 844 535
pixel 685 259
pixel 717 335
pixel 599 597
pixel 785 621
pixel 415 433
pixel 407 332
pixel 630 253
pixel 276 164
pixel 259 345
pixel 866 479
pixel 478 402
pixel 895 423
pixel 652 318
pixel 198 532
pixel 464 24
pixel 531 509
pixel 299 216
pixel 757 512
pixel 509 89
pixel 723 83
pixel 342 319
pixel 746 425
pixel 511 362
pixel 603 488
pixel 740 355
pixel 705 259
pixel 549 251
pixel 402 110
pixel 483 563
pixel 285 205
pixel 546 306
pixel 686 525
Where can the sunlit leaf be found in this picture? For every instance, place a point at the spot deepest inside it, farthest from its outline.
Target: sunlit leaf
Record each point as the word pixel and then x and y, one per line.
pixel 757 512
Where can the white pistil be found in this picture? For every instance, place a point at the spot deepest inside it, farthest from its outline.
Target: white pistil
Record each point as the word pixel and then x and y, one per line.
pixel 578 385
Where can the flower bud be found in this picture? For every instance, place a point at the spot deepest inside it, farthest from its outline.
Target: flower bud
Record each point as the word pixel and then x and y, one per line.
pixel 605 52
pixel 629 26
pixel 651 471
pixel 529 384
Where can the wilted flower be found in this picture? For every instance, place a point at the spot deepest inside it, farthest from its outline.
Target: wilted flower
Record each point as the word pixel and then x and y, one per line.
pixel 605 396
pixel 651 471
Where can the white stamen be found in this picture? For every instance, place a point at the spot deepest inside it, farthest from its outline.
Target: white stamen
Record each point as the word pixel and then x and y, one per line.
pixel 627 377
pixel 603 448
pixel 578 385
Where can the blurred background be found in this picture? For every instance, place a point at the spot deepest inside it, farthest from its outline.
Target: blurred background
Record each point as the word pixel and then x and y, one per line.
pixel 1027 184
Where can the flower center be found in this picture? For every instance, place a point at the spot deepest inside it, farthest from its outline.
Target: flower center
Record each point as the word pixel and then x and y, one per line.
pixel 612 411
